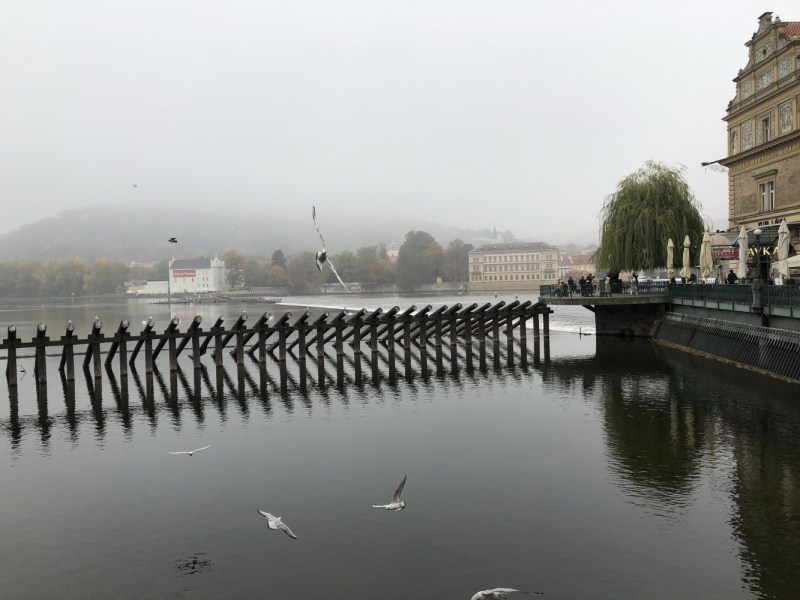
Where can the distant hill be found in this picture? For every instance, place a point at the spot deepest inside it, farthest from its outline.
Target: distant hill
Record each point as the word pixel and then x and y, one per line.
pixel 142 235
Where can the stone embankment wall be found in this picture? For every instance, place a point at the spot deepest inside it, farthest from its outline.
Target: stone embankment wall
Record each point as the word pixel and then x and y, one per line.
pixel 764 349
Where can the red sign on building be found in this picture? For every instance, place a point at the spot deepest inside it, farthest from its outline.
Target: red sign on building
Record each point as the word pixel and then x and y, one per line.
pixel 726 254
pixel 183 272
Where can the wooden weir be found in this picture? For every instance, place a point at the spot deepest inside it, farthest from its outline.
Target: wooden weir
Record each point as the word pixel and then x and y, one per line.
pixel 389 328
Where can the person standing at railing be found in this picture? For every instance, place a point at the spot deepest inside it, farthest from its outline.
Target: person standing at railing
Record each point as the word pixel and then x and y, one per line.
pixel 732 278
pixel 571 284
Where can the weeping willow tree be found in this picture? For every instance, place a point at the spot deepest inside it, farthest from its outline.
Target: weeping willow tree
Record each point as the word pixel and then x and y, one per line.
pixel 648 207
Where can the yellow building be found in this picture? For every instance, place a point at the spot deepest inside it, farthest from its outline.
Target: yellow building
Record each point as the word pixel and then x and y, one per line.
pixel 512 266
pixel 764 129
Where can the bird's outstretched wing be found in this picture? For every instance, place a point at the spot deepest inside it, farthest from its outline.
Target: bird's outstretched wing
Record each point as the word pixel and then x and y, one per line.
pixel 183 452
pixel 269 518
pixel 285 529
pixel 510 590
pixel 203 448
pixel 379 505
pixel 399 490
pixel 337 277
pixel 314 215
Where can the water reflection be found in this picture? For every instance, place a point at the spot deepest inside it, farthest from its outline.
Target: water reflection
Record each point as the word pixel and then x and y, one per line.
pixel 671 424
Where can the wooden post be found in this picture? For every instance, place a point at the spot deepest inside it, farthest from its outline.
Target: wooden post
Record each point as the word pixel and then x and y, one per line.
pixel 190 333
pixel 258 328
pixel 173 325
pixel 282 343
pixel 536 328
pixel 390 333
pixel 93 350
pixel 68 354
pixel 123 353
pixel 240 347
pixel 173 354
pixel 196 355
pixel 11 362
pixel 523 334
pixel 510 328
pixel 407 334
pixel 148 327
pixel 320 340
pixel 357 340
pixel 120 335
pixel 423 334
pixel 301 346
pixel 468 332
pixel 373 335
pixel 217 327
pixel 148 354
pixel 482 329
pixel 496 328
pixel 40 366
pixel 453 330
pixel 546 326
pixel 438 333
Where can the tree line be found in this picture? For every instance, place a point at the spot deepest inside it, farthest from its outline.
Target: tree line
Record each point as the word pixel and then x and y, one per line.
pixel 421 259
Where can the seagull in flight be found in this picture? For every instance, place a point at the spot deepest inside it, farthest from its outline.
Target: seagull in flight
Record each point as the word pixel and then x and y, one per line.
pixel 396 504
pixel 172 240
pixel 190 452
pixel 322 255
pixel 275 523
pixel 134 185
pixel 21 368
pixel 498 593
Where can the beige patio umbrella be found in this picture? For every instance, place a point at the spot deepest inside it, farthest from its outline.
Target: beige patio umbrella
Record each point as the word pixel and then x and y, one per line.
pixel 783 249
pixel 706 259
pixel 741 272
pixel 670 259
pixel 687 264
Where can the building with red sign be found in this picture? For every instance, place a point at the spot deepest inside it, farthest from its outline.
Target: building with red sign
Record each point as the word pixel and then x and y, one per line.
pixel 196 275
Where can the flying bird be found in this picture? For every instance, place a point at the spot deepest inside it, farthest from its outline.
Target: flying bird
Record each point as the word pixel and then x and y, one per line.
pixel 190 452
pixel 396 504
pixel 275 523
pixel 322 255
pixel 498 593
pixel 134 185
pixel 172 240
pixel 21 368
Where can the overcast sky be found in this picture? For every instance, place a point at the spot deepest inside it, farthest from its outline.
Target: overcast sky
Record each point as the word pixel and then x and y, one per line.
pixel 521 113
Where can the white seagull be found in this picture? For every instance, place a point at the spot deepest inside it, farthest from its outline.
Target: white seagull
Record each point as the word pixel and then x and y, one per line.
pixel 190 452
pixel 396 504
pixel 322 255
pixel 275 523
pixel 498 593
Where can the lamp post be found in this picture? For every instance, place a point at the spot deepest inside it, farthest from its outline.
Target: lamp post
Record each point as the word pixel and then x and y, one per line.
pixel 757 277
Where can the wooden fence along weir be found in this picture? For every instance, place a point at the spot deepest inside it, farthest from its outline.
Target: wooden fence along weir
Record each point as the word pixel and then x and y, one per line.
pixel 390 328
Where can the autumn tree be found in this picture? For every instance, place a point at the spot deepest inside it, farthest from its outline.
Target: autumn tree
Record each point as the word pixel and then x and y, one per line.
pixel 302 273
pixel 277 277
pixel 278 259
pixel 234 268
pixel 456 263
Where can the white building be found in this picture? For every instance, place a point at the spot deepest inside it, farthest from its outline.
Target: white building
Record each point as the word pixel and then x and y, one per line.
pixel 196 275
pixel 154 287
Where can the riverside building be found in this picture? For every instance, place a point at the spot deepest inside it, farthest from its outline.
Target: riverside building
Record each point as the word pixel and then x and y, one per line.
pixel 196 275
pixel 512 266
pixel 764 129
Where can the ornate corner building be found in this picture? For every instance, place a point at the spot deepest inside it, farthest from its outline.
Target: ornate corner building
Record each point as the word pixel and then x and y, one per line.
pixel 764 129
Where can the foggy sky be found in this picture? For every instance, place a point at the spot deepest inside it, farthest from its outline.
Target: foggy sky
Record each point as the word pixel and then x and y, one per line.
pixel 523 114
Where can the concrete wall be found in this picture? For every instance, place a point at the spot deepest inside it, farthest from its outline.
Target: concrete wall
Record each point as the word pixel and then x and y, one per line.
pixel 628 320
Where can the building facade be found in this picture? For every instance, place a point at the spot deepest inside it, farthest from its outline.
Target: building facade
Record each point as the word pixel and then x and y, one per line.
pixel 513 266
pixel 764 129
pixel 196 275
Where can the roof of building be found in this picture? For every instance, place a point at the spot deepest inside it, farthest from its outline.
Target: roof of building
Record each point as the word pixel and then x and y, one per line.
pixel 191 263
pixel 510 247
pixel 791 28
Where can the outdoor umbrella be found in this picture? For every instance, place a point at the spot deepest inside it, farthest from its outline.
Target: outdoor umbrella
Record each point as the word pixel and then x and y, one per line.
pixel 706 259
pixel 670 259
pixel 783 249
pixel 741 272
pixel 687 265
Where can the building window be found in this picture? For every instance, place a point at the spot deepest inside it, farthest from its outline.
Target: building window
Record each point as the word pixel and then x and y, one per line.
pixel 767 196
pixel 734 143
pixel 765 129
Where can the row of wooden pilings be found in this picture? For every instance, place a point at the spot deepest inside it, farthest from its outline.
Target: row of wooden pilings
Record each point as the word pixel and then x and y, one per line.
pixel 419 327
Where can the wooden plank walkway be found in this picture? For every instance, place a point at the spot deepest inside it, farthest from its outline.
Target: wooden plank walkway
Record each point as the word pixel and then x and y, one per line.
pixel 420 327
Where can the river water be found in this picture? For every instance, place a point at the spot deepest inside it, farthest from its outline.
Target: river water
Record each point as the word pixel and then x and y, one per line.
pixel 600 469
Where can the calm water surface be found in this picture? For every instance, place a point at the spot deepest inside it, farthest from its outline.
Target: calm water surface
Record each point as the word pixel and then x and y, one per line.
pixel 600 469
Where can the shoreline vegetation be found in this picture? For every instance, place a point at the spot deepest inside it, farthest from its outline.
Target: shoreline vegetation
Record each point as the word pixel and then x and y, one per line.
pixel 420 260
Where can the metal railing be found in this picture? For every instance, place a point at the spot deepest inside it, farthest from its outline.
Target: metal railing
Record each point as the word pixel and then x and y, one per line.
pixel 738 294
pixel 781 295
pixel 603 289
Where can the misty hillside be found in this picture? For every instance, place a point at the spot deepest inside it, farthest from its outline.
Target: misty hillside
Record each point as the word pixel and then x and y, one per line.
pixel 142 235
